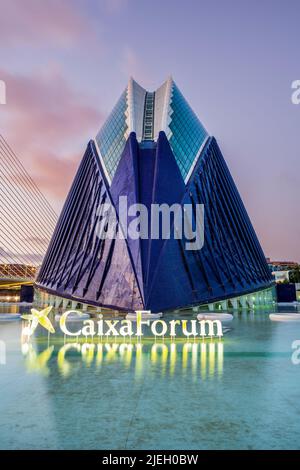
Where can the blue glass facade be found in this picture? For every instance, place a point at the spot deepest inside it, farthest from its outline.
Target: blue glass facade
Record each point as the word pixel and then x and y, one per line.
pixel 112 137
pixel 149 147
pixel 169 112
pixel 187 133
pixel 135 273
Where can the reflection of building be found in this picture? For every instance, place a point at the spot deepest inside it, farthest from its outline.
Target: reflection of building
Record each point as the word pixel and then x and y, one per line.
pixel 153 149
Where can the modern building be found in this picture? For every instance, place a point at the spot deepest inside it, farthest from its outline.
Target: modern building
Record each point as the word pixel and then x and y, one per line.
pixel 281 265
pixel 281 270
pixel 154 150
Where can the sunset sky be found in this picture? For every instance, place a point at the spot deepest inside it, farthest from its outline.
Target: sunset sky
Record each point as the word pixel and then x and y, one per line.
pixel 65 63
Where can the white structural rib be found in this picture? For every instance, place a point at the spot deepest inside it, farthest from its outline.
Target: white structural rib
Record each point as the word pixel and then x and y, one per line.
pixel 102 162
pixel 130 118
pixel 137 116
pixel 196 159
pixel 162 107
pixel 136 101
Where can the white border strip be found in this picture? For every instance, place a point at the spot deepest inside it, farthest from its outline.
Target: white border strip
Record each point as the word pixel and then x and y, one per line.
pixel 164 126
pixel 130 107
pixel 102 162
pixel 196 159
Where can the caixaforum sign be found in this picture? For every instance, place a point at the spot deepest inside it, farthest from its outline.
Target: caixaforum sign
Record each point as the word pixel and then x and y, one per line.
pixel 142 327
pixel 139 327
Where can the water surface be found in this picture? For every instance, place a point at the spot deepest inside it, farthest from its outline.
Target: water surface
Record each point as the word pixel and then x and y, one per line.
pixel 238 393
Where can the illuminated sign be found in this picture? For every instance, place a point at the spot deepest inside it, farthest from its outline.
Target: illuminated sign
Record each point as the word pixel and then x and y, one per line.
pixel 125 328
pixel 38 318
pixel 129 328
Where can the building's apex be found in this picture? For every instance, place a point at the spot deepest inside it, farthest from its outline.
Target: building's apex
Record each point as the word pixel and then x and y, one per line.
pixel 147 113
pixel 134 83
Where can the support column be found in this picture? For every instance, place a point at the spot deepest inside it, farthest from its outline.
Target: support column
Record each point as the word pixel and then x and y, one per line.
pixel 211 307
pixel 250 300
pixel 258 300
pixel 45 298
pixel 271 298
pixel 243 301
pixel 224 304
pixel 265 298
pixel 38 297
pixel 58 301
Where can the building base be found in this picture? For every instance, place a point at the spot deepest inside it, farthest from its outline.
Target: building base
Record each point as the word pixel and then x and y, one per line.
pixel 262 299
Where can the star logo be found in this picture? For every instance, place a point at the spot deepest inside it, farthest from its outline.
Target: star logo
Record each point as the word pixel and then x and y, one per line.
pixel 38 318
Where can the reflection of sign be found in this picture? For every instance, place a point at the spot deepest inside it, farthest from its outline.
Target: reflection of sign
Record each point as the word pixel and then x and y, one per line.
pixel 157 328
pixel 37 362
pixel 204 359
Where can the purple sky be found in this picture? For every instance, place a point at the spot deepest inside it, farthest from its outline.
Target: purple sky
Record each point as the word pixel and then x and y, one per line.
pixel 66 63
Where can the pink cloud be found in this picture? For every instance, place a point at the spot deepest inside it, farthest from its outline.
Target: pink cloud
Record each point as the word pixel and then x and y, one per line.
pixel 55 174
pixel 34 21
pixel 47 103
pixel 115 6
pixel 48 124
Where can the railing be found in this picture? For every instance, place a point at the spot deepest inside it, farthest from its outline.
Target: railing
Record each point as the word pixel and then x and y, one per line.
pixel 149 116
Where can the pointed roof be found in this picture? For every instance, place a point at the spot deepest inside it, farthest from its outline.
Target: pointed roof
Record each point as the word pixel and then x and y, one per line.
pixel 158 274
pixel 148 113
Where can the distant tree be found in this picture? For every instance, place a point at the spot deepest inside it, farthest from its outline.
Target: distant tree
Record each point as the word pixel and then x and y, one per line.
pixel 295 275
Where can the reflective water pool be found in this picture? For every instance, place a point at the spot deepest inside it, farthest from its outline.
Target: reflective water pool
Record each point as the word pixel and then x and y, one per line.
pixel 238 393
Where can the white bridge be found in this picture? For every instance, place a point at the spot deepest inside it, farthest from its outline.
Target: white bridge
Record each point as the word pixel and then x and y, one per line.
pixel 27 222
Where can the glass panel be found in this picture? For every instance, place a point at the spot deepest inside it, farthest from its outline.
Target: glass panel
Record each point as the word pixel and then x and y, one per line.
pixel 187 133
pixel 111 138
